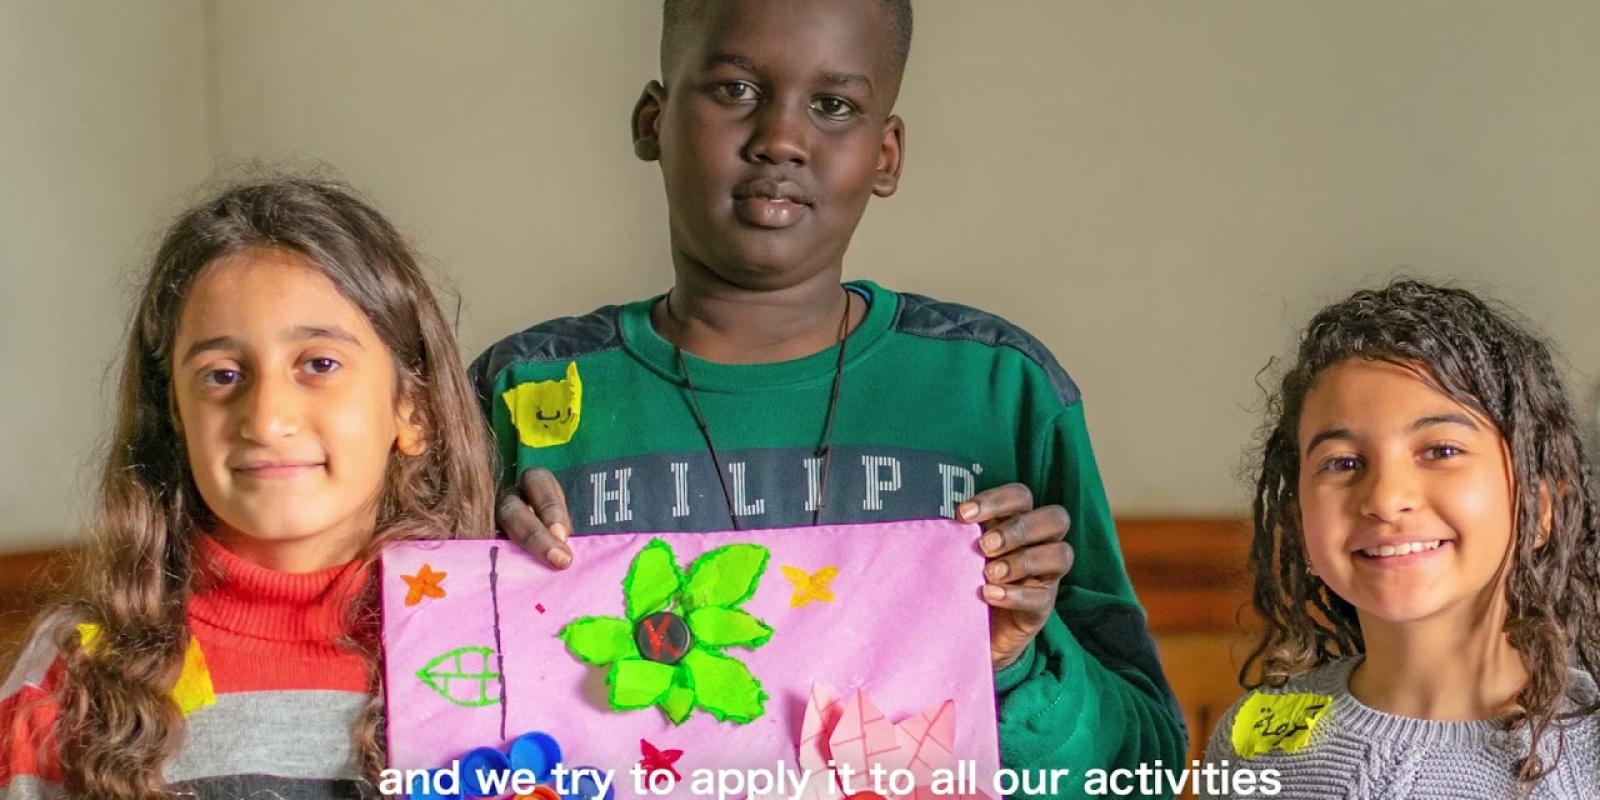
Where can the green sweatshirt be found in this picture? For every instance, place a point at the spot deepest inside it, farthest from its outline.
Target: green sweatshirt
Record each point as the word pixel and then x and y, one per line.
pixel 938 402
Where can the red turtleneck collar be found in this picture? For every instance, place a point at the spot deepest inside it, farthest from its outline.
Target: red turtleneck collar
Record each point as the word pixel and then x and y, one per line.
pixel 264 629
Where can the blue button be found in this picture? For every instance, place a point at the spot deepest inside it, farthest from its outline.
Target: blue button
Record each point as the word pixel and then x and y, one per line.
pixel 536 752
pixel 479 763
pixel 424 789
pixel 587 789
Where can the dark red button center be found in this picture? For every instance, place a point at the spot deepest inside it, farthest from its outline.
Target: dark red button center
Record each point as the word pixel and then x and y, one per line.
pixel 663 637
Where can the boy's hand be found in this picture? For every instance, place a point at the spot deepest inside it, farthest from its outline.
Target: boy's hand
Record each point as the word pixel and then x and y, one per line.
pixel 535 517
pixel 1028 557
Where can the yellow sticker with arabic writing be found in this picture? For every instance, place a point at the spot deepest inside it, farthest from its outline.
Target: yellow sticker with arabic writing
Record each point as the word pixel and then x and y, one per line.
pixel 1268 722
pixel 546 413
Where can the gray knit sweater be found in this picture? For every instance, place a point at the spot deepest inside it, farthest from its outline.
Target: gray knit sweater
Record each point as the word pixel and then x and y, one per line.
pixel 1359 753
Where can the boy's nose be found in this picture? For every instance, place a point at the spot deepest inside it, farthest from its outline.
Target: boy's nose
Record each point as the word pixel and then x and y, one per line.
pixel 271 412
pixel 1392 490
pixel 779 136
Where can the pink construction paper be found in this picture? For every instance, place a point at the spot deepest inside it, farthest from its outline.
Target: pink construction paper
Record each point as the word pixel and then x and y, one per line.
pixel 908 628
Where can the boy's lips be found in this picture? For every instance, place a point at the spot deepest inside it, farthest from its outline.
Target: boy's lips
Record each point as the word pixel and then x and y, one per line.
pixel 769 203
pixel 270 469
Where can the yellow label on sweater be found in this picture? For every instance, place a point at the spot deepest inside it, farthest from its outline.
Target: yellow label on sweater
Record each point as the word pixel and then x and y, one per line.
pixel 1268 722
pixel 546 413
pixel 88 632
pixel 193 690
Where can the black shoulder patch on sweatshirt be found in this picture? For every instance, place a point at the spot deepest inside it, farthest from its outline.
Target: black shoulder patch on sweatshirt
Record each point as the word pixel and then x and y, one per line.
pixel 924 316
pixel 561 339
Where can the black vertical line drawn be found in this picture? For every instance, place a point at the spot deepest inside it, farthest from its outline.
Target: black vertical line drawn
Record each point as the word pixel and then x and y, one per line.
pixel 499 652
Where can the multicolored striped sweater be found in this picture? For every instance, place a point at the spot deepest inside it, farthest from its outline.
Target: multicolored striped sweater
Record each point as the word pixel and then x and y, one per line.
pixel 270 698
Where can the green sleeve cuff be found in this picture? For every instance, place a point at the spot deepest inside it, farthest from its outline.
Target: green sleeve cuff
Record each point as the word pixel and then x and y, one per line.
pixel 1012 675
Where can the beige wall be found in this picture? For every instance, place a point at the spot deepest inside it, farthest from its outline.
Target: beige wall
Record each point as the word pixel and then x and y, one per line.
pixel 494 132
pixel 102 129
pixel 1187 182
pixel 1161 191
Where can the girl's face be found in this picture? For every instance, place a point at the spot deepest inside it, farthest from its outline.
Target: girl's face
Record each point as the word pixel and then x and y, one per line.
pixel 287 400
pixel 1405 494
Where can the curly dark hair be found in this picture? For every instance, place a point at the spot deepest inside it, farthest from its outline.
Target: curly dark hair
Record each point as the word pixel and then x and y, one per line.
pixel 1478 356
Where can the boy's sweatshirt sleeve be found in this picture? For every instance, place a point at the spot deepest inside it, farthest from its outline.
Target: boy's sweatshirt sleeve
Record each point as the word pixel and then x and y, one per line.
pixel 29 767
pixel 1089 692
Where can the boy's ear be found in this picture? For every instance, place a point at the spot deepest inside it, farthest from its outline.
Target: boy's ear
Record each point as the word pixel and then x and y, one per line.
pixel 411 436
pixel 646 122
pixel 890 156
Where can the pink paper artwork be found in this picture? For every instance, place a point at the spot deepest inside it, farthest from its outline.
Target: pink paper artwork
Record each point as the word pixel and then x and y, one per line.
pixel 694 652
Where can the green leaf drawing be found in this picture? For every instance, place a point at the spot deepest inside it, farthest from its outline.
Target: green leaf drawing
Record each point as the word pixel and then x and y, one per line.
pixel 727 627
pixel 464 676
pixel 600 640
pixel 726 576
pixel 652 580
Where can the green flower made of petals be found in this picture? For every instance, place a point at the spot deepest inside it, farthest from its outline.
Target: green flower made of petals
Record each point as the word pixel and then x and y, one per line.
pixel 707 600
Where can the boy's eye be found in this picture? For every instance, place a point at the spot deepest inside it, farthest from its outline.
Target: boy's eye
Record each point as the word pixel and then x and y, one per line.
pixel 221 377
pixel 735 92
pixel 321 366
pixel 836 108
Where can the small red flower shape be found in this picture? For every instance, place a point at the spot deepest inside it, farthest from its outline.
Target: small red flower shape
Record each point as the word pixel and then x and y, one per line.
pixel 657 760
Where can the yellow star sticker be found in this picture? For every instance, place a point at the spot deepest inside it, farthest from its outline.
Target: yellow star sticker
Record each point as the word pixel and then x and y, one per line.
pixel 810 586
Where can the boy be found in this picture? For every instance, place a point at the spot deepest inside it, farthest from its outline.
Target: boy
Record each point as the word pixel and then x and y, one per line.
pixel 758 392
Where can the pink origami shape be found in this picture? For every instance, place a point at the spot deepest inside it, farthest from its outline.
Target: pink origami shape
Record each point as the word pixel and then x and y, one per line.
pixel 856 733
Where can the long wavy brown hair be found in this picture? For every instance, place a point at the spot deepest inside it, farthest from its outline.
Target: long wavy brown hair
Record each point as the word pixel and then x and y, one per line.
pixel 118 723
pixel 1478 356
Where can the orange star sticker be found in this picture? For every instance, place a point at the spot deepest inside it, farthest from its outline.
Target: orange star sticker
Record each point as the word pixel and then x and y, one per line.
pixel 423 584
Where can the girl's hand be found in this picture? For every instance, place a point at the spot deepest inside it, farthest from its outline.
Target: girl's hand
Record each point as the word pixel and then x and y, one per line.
pixel 535 517
pixel 1028 556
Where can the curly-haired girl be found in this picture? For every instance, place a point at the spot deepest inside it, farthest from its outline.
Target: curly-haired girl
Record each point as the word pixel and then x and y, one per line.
pixel 1426 563
pixel 291 399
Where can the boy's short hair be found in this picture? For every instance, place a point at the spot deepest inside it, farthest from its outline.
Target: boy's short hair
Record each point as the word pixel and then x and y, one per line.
pixel 674 12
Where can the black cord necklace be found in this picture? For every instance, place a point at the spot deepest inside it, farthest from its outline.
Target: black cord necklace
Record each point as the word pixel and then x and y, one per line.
pixel 824 448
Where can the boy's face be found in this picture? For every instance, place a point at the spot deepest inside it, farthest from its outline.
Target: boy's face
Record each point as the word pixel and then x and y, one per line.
pixel 773 130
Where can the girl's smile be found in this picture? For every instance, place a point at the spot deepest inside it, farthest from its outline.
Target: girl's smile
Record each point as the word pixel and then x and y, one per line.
pixel 1405 553
pixel 273 469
